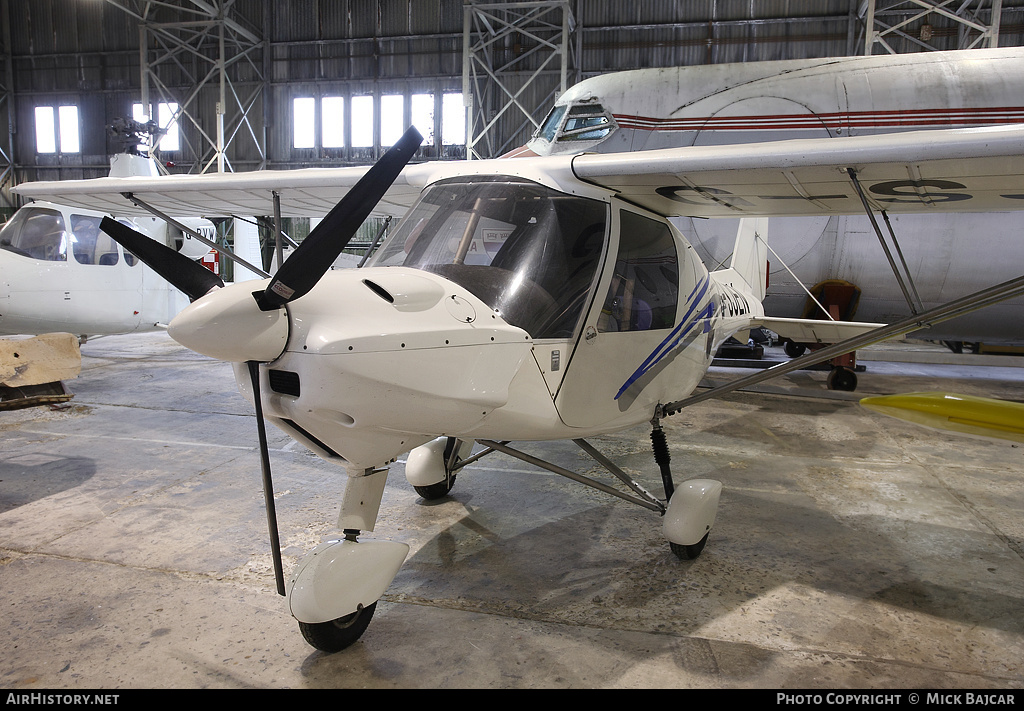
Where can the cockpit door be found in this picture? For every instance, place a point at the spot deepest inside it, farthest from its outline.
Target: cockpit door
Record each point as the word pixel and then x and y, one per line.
pixel 105 283
pixel 620 365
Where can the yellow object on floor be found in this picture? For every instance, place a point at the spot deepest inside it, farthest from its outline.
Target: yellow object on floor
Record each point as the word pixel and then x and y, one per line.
pixel 965 414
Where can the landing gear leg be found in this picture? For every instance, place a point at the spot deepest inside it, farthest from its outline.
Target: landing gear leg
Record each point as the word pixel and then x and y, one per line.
pixel 691 510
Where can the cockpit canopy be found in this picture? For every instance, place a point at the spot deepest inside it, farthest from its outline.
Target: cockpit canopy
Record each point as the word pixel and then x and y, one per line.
pixel 530 253
pixel 572 128
pixel 43 233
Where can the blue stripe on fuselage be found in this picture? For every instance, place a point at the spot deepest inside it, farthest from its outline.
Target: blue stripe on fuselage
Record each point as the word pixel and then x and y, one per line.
pixel 678 333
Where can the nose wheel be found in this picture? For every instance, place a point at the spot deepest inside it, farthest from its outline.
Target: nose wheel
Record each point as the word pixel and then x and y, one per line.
pixel 684 552
pixel 337 634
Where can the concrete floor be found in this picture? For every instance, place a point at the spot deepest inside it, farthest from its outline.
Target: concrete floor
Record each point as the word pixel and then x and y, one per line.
pixel 851 550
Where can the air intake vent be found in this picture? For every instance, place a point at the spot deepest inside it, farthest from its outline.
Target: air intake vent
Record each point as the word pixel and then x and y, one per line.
pixel 284 381
pixel 379 291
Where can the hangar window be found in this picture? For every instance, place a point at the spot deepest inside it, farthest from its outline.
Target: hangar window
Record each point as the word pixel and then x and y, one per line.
pixel 422 106
pixel 325 123
pixel 37 233
pixel 303 122
pixel 332 121
pixel 362 121
pixel 453 120
pixel 166 121
pixel 392 119
pixel 57 131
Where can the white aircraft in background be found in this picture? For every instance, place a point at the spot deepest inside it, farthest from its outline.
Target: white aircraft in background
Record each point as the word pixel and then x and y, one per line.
pixel 938 256
pixel 59 272
pixel 534 299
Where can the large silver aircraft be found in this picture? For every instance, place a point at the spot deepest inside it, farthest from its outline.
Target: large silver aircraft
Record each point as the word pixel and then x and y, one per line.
pixel 889 265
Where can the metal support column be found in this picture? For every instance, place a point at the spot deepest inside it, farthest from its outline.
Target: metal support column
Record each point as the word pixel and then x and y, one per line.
pixel 911 25
pixel 7 108
pixel 207 47
pixel 509 74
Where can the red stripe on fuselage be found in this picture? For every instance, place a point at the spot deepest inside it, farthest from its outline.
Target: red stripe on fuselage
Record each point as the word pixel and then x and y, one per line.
pixel 852 119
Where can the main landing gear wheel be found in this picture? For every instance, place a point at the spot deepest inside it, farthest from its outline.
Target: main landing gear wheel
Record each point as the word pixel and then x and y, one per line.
pixel 439 490
pixel 794 350
pixel 336 635
pixel 841 378
pixel 689 552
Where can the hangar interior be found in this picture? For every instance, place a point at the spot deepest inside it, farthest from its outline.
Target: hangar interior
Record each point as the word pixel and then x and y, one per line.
pixel 851 551
pixel 227 75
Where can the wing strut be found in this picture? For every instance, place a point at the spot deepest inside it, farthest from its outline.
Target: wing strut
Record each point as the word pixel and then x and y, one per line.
pixel 216 247
pixel 376 240
pixel 958 307
pixel 885 247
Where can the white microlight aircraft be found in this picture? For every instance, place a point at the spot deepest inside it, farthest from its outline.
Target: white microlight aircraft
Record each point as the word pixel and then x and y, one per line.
pixel 534 299
pixel 651 109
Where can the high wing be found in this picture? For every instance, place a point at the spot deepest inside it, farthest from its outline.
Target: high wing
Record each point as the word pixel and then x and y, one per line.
pixel 958 170
pixel 306 192
pixel 953 170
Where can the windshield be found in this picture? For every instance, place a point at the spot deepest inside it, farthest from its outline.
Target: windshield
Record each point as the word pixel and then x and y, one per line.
pixel 530 253
pixel 37 233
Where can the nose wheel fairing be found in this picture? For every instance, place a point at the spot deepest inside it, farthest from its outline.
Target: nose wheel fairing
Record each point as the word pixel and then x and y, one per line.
pixel 340 577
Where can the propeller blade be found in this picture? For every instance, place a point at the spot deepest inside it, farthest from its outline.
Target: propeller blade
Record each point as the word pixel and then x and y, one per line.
pixel 190 277
pixel 317 252
pixel 268 484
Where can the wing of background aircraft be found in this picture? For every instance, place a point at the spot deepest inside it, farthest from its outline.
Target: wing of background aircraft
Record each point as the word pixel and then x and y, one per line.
pixel 957 170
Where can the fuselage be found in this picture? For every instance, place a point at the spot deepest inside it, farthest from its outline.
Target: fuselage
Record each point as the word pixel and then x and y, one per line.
pixel 947 255
pixel 60 272
pixel 502 307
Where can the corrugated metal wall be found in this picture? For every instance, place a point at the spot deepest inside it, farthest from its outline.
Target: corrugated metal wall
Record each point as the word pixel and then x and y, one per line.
pixel 87 53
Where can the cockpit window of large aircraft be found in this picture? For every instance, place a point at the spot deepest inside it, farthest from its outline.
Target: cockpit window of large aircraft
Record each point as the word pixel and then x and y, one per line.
pixel 89 244
pixel 528 252
pixel 586 122
pixel 37 233
pixel 645 284
pixel 551 123
pixel 582 122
